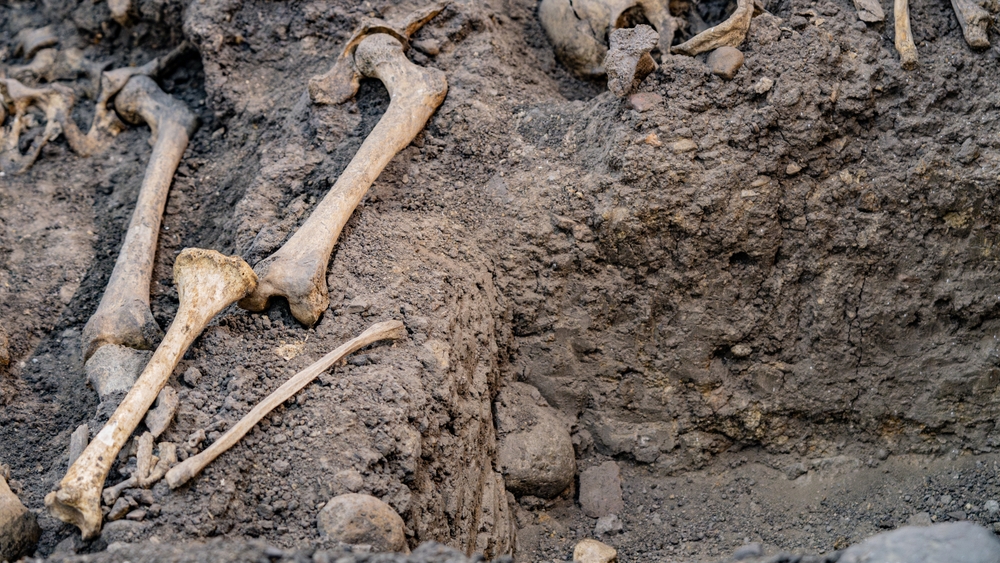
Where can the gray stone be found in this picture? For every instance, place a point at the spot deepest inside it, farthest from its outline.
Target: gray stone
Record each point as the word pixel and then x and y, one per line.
pixel 724 62
pixel 114 368
pixel 747 551
pixel 952 542
pixel 347 481
pixel 78 442
pixel 192 376
pixel 19 531
pixel 601 490
pixel 535 451
pixel 609 524
pixel 992 507
pixel 362 519
pixel 160 417
pixel 920 519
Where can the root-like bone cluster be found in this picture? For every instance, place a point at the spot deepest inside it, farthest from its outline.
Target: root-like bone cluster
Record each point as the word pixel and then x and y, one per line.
pixel 207 282
pixel 297 271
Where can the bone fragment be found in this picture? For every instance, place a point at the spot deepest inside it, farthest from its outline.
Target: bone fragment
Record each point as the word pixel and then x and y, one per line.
pixel 4 345
pixel 78 441
pixel 144 457
pixel 40 65
pixel 121 11
pixel 904 37
pixel 123 316
pixel 297 271
pixel 19 531
pixel 159 418
pixel 869 10
pixel 207 282
pixel 657 12
pixel 28 41
pixel 573 36
pixel 111 494
pixel 166 460
pixel 974 21
pixel 22 97
pixel 729 33
pixel 628 61
pixel 183 472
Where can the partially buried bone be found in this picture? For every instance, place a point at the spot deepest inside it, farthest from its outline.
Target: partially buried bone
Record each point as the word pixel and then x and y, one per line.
pixel 184 471
pixel 123 316
pixel 28 41
pixel 729 33
pixel 22 98
pixel 207 282
pixel 974 21
pixel 159 418
pixel 628 61
pixel 297 271
pixel 904 37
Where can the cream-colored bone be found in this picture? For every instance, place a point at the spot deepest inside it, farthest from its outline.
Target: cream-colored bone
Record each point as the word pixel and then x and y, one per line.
pixel 297 271
pixel 207 282
pixel 22 97
pixel 123 316
pixel 193 465
pixel 729 33
pixel 904 37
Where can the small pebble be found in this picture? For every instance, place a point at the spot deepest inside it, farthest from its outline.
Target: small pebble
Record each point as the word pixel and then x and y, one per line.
pixel 724 62
pixel 192 376
pixel 593 551
pixel 763 85
pixel 793 169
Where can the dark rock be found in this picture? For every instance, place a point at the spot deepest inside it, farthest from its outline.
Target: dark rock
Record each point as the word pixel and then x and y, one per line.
pixel 601 490
pixel 363 519
pixel 535 451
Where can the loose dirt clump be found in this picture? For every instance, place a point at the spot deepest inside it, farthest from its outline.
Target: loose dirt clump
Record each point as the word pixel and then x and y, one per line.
pixel 767 299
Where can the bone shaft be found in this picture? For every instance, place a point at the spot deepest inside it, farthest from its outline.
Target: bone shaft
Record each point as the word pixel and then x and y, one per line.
pixel 974 21
pixel 101 451
pixel 407 114
pixel 183 472
pixel 904 37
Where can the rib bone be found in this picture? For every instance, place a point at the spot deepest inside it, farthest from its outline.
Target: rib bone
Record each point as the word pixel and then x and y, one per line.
pixel 297 271
pixel 193 465
pixel 974 21
pixel 123 317
pixel 207 282
pixel 904 37
pixel 729 33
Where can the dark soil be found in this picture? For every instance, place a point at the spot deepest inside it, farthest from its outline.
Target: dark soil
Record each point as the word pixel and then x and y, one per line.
pixel 772 305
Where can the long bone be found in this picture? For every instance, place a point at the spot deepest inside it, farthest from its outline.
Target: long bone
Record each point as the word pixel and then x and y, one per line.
pixel 207 282
pixel 974 21
pixel 904 37
pixel 123 316
pixel 184 471
pixel 297 271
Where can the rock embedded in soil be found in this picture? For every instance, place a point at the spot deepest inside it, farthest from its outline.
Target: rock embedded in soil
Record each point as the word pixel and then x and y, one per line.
pixel 363 519
pixel 724 62
pixel 19 531
pixel 601 490
pixel 951 542
pixel 535 451
pixel 628 62
pixel 606 525
pixel 114 368
pixel 4 349
pixel 593 551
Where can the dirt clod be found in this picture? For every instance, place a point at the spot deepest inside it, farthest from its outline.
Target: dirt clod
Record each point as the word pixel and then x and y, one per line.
pixel 363 519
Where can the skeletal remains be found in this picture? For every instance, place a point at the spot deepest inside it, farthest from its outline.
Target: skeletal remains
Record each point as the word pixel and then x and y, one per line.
pixel 973 19
pixel 297 271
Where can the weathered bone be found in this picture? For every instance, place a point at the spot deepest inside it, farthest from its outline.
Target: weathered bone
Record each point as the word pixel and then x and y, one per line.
pixel 729 33
pixel 974 21
pixel 29 41
pixel 207 282
pixel 123 316
pixel 22 97
pixel 657 12
pixel 193 465
pixel 297 271
pixel 628 61
pixel 904 37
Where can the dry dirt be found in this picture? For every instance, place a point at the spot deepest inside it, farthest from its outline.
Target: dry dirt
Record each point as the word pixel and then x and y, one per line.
pixel 770 299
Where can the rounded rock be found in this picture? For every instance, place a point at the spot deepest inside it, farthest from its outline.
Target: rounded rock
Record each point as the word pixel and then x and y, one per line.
pixel 535 452
pixel 362 519
pixel 593 551
pixel 724 62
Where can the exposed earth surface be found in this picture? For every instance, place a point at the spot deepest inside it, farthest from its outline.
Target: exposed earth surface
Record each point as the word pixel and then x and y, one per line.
pixel 769 302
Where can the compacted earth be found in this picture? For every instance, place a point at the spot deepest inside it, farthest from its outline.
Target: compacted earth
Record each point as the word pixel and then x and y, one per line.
pixel 768 303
